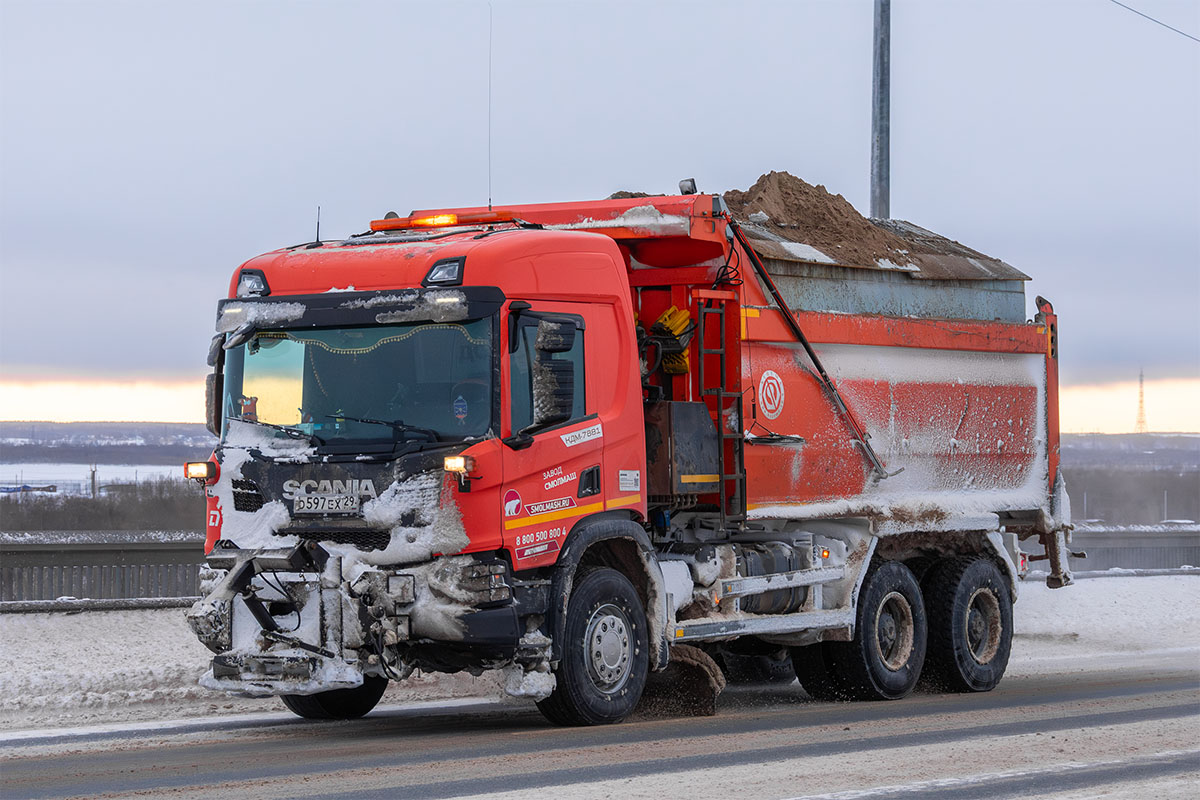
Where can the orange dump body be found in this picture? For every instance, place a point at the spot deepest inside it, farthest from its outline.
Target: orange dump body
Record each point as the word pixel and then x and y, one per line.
pixel 962 414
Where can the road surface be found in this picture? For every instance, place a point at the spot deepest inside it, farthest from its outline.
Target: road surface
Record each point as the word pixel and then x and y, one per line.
pixel 1127 727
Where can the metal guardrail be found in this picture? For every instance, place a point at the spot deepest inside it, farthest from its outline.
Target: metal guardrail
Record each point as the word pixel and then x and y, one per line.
pixel 136 567
pixel 75 604
pixel 1141 547
pixel 99 565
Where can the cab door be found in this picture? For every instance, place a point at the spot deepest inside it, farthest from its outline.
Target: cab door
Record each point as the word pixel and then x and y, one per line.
pixel 554 441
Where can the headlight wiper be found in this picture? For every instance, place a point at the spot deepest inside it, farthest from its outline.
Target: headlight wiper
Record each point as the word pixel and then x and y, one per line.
pixel 397 425
pixel 295 433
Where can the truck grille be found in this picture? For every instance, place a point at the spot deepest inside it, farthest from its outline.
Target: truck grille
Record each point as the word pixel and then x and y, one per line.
pixel 246 496
pixel 362 539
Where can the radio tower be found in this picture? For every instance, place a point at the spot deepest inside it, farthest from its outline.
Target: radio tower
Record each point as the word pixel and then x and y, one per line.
pixel 1140 426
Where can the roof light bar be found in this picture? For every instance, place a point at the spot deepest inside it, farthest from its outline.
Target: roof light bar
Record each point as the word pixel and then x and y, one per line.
pixel 440 220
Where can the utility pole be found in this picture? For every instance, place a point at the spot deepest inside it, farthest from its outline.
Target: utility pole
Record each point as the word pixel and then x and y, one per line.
pixel 881 112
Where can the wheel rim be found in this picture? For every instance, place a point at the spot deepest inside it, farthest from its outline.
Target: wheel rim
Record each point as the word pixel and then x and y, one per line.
pixel 983 626
pixel 609 653
pixel 894 631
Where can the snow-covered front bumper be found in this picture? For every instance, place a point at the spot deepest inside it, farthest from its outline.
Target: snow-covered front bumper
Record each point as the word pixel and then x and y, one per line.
pixel 288 621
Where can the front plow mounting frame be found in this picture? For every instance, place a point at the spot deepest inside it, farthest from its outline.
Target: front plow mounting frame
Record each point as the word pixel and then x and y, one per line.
pixel 295 668
pixel 243 565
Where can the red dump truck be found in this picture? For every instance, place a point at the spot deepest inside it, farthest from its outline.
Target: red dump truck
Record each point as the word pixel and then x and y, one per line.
pixel 563 440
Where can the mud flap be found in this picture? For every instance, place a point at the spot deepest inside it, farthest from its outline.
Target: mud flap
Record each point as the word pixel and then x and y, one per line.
pixel 1057 553
pixel 1056 539
pixel 689 685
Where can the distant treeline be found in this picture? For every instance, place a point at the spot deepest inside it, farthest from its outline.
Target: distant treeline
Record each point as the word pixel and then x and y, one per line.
pixel 91 432
pixel 1121 496
pixel 160 454
pixel 164 505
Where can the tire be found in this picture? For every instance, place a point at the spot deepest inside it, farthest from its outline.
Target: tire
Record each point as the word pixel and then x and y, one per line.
pixel 920 567
pixel 338 703
pixel 811 667
pixel 763 668
pixel 969 607
pixel 605 655
pixel 884 660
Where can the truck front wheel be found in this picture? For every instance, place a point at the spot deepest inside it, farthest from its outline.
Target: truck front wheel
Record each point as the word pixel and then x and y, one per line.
pixel 605 655
pixel 883 662
pixel 970 624
pixel 338 703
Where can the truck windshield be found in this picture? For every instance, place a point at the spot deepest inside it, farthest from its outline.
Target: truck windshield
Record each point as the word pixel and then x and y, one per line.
pixel 428 381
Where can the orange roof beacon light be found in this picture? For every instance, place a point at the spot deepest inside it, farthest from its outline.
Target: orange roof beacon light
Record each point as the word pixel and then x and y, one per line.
pixel 436 221
pixel 440 220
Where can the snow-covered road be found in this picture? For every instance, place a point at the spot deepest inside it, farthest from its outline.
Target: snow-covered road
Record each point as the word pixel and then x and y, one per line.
pixel 1102 699
pixel 1115 730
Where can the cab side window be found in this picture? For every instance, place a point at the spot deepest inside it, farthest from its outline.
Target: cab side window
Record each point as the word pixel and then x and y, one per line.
pixel 526 354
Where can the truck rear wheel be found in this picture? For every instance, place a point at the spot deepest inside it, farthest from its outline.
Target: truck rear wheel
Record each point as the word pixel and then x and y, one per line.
pixel 970 624
pixel 338 703
pixel 883 662
pixel 605 655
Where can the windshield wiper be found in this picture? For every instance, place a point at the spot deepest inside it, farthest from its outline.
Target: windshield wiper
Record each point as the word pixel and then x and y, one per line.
pixel 295 433
pixel 396 425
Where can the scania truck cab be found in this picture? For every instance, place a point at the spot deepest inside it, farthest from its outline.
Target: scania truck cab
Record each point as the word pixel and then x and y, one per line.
pixel 411 423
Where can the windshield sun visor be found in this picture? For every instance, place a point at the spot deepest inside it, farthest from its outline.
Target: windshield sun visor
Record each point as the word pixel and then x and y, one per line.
pixel 341 309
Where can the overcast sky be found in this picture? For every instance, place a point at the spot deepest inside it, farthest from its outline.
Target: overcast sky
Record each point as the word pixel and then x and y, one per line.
pixel 148 148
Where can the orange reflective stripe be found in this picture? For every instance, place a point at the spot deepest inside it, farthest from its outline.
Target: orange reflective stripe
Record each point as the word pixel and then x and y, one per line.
pixel 566 513
pixel 625 501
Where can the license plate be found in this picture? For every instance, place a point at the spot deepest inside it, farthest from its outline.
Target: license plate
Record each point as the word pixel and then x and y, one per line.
pixel 326 504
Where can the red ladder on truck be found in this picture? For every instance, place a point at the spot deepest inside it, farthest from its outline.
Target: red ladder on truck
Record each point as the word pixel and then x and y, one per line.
pixel 718 330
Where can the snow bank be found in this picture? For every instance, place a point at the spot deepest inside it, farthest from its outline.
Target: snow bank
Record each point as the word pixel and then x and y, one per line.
pixel 1114 615
pixel 117 666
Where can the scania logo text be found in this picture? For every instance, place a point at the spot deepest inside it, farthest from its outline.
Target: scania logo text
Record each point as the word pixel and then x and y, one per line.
pixel 351 487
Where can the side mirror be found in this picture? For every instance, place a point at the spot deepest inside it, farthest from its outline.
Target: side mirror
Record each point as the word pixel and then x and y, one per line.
pixel 553 391
pixel 554 336
pixel 216 353
pixel 553 380
pixel 214 385
pixel 214 389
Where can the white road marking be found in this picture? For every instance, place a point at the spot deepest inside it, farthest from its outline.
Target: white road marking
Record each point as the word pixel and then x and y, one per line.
pixel 193 724
pixel 986 777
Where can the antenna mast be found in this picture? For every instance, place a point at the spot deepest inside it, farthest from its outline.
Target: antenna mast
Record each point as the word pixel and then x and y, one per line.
pixel 1140 426
pixel 489 125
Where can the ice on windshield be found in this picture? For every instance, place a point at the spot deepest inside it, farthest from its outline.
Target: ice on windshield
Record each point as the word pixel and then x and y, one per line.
pixel 362 383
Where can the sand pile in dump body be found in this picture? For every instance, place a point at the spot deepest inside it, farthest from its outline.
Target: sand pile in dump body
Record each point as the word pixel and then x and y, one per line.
pixel 800 212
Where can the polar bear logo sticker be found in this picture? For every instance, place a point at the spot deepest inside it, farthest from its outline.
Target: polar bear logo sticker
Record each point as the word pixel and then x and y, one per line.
pixel 512 503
